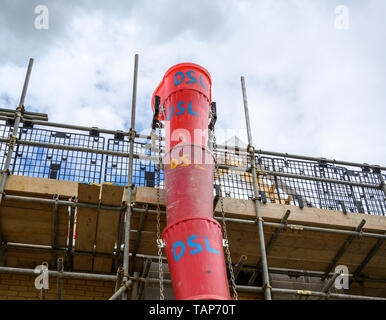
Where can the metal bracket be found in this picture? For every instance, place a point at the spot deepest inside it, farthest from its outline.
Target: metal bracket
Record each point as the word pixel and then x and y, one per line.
pixel 161 243
pixel 294 227
pixel 213 116
pixel 359 206
pixel 322 163
pixel 118 136
pixel 263 197
pixel 376 169
pixel 341 203
pixel 299 198
pixel 155 122
pixel 94 132
pixel 28 124
pixel 10 122
pixel 225 243
pixel 217 196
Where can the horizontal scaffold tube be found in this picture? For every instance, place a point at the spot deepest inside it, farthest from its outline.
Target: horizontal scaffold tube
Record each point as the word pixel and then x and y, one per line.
pixel 80 149
pixel 36 121
pixel 308 293
pixel 73 275
pixel 300 157
pixel 60 202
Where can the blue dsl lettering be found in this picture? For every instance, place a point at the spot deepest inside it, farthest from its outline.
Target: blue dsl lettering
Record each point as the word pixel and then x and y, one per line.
pixel 208 248
pixel 176 81
pixel 179 107
pixel 170 113
pixel 194 245
pixel 193 79
pixel 175 245
pixel 201 83
pixel 190 110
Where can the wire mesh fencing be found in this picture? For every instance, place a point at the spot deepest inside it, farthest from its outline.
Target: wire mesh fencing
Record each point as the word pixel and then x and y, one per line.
pixel 318 184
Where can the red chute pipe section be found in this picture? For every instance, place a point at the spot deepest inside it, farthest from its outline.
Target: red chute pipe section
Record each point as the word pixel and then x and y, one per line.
pixel 193 238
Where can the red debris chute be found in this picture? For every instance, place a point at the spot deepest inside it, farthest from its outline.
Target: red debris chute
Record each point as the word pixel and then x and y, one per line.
pixel 193 238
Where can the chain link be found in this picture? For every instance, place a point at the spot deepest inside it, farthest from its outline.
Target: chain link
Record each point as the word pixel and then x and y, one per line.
pixel 159 240
pixel 225 233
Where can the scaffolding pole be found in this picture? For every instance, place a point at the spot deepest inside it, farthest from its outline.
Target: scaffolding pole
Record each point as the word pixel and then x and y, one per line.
pixel 129 181
pixel 266 283
pixel 12 142
pixel 269 246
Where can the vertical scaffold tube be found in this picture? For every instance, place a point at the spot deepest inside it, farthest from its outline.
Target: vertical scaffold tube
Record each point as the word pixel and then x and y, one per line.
pixel 193 238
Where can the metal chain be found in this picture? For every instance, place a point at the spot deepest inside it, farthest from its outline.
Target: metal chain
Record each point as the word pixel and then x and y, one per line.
pixel 160 243
pixel 228 253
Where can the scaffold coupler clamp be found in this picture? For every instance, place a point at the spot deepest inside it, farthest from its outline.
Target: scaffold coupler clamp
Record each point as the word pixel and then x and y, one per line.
pixel 12 140
pixel 266 286
pixel 251 149
pixel 225 243
pixel 259 219
pixel 6 172
pixel 126 283
pixel 132 134
pixel 20 109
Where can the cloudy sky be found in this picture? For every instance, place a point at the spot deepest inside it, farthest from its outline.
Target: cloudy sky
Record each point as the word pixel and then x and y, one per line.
pixel 313 88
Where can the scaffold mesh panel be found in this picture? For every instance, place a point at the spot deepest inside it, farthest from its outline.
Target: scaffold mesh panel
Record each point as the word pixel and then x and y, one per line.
pixel 144 170
pixel 36 161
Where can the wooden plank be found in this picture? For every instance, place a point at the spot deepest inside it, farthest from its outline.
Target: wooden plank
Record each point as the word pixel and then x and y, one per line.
pixel 86 221
pixel 21 185
pixel 32 226
pixel 273 212
pixel 108 221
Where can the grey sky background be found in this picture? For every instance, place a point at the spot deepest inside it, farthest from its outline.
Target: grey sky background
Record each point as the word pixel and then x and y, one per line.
pixel 312 89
